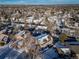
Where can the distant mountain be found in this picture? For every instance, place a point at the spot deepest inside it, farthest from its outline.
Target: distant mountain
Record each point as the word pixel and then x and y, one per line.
pixel 55 5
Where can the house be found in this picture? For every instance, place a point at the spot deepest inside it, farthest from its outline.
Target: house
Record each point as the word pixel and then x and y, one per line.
pixel 43 38
pixel 20 35
pixel 2 36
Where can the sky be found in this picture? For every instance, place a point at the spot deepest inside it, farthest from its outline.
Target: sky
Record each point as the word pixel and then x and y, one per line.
pixel 39 2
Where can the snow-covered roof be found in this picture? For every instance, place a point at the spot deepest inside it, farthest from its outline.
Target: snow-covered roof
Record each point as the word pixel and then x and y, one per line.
pixel 42 36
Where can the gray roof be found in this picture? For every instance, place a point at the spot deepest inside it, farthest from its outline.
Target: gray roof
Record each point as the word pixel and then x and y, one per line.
pixel 11 53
